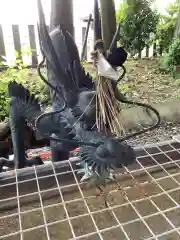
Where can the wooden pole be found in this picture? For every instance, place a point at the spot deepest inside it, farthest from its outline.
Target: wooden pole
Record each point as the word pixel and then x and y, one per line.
pixel 17 41
pixel 85 37
pixel 32 40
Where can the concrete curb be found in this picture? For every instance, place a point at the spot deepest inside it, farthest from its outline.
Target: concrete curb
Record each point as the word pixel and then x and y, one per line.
pixel 137 117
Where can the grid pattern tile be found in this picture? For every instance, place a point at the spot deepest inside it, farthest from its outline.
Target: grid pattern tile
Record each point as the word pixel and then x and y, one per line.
pixel 50 202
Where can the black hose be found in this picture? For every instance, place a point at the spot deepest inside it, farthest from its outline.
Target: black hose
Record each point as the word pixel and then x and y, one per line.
pixel 122 76
pixel 37 123
pixel 43 78
pixel 147 129
pixel 147 106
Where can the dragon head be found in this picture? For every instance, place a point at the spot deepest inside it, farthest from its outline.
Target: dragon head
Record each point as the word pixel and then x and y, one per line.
pixel 109 155
pixel 115 154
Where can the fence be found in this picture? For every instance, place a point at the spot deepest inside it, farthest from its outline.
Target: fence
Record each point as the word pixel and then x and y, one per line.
pixel 14 38
pixel 14 44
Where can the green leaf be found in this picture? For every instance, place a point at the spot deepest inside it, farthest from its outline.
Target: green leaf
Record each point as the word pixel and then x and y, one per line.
pixel 16 54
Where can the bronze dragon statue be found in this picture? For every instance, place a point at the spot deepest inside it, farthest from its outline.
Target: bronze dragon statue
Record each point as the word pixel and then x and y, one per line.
pixel 72 121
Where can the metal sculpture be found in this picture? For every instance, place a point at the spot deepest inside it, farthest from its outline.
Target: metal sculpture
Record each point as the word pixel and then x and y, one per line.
pixel 72 123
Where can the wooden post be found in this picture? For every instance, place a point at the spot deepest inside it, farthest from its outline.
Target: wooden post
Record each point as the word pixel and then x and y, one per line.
pixel 62 13
pixel 85 32
pixel 17 42
pixel 83 39
pixel 32 41
pixel 2 45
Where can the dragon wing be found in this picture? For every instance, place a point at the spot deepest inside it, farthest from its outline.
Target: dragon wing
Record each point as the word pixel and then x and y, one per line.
pixel 68 57
pixel 63 64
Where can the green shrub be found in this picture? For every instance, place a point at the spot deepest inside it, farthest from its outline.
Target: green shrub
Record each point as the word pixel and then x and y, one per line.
pixel 3 101
pixel 27 77
pixel 172 58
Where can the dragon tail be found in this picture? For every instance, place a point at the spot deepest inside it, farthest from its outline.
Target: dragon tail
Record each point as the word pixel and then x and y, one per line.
pixel 24 104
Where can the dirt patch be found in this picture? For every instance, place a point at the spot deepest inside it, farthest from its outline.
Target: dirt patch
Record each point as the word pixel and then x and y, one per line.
pixel 143 82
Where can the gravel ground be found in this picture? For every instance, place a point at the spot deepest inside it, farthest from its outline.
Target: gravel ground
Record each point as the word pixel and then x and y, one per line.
pixel 165 132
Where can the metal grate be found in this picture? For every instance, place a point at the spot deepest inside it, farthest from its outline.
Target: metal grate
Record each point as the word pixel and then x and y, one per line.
pixel 49 202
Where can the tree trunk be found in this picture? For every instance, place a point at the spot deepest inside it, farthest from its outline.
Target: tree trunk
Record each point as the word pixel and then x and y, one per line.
pixel 62 13
pixel 108 18
pixel 139 54
pixel 154 50
pixel 177 28
pixel 147 51
pixel 160 50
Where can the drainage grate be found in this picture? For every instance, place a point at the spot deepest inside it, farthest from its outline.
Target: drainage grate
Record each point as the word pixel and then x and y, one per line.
pixel 49 202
